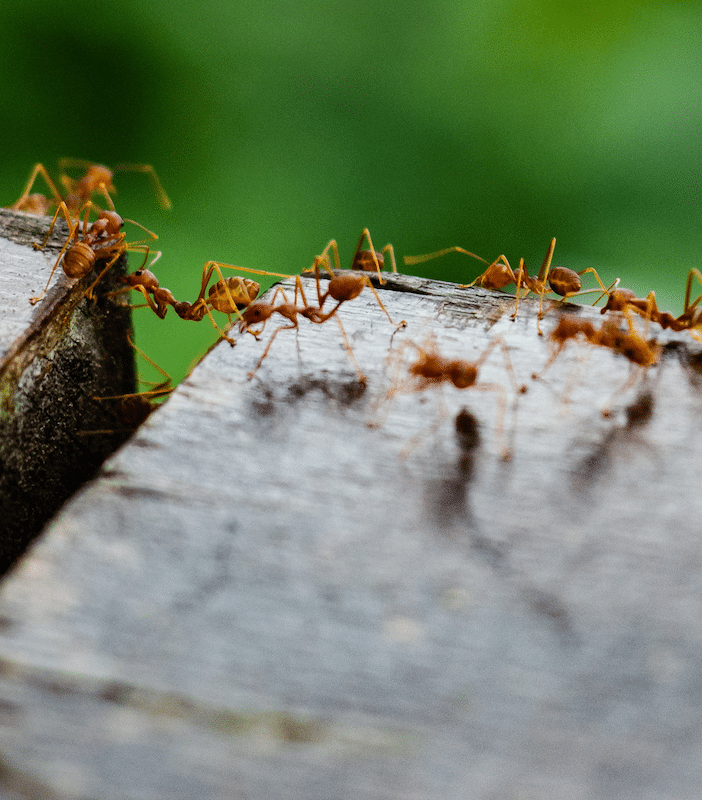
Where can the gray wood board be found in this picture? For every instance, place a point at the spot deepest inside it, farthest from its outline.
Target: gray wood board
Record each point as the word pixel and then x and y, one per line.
pixel 260 598
pixel 54 358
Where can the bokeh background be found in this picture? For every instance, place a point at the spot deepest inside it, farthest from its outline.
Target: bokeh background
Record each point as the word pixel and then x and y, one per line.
pixel 275 126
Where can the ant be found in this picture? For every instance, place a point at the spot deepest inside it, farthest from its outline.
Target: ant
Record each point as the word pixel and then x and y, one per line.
pixel 97 179
pixel 625 300
pixel 102 240
pixel 144 281
pixel 133 409
pixel 228 295
pixel 370 260
pixel 628 343
pixel 563 281
pixel 262 312
pixel 341 288
pixel 433 369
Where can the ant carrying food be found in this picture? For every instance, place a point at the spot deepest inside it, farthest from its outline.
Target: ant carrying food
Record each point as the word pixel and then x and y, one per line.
pixel 102 240
pixel 563 281
pixel 431 368
pixel 96 180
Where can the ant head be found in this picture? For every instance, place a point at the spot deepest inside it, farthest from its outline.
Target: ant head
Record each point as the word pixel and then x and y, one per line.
pixel 617 300
pixel 257 312
pixel 112 221
pixel 99 175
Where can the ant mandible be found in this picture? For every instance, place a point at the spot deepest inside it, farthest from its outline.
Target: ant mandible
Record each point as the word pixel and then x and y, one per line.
pixel 102 240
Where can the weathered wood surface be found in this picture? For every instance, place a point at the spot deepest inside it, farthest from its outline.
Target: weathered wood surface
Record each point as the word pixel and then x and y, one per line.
pixel 53 358
pixel 259 598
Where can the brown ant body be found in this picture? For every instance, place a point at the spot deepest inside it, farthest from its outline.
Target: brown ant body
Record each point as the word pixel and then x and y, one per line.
pixel 341 288
pixel 96 180
pixel 625 301
pixel 229 296
pixel 563 281
pixel 102 240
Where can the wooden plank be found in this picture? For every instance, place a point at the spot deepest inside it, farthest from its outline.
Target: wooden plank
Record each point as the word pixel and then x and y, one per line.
pixel 260 598
pixel 53 359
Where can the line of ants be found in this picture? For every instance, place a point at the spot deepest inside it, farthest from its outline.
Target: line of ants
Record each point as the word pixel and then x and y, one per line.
pixel 103 241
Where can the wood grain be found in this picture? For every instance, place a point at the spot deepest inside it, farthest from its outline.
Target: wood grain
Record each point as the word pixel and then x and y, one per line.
pixel 260 598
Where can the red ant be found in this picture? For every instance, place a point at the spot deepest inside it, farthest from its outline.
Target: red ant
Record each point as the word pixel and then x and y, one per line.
pixel 102 240
pixel 262 312
pixel 628 343
pixel 433 369
pixel 370 260
pixel 228 295
pixel 144 281
pixel 563 281
pixel 341 288
pixel 625 300
pixel 97 179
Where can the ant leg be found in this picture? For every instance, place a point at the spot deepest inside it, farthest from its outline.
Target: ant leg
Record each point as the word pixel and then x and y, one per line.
pixel 161 314
pixel 390 250
pixel 693 273
pixel 119 249
pixel 347 345
pixel 234 304
pixel 542 278
pixel 268 347
pixel 411 260
pixel 402 323
pixel 161 195
pixel 73 226
pixel 334 248
pixel 38 170
pixel 518 283
pixel 636 373
pixel 374 257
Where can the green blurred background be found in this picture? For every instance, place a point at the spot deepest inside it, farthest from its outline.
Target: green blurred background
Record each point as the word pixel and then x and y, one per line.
pixel 275 126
